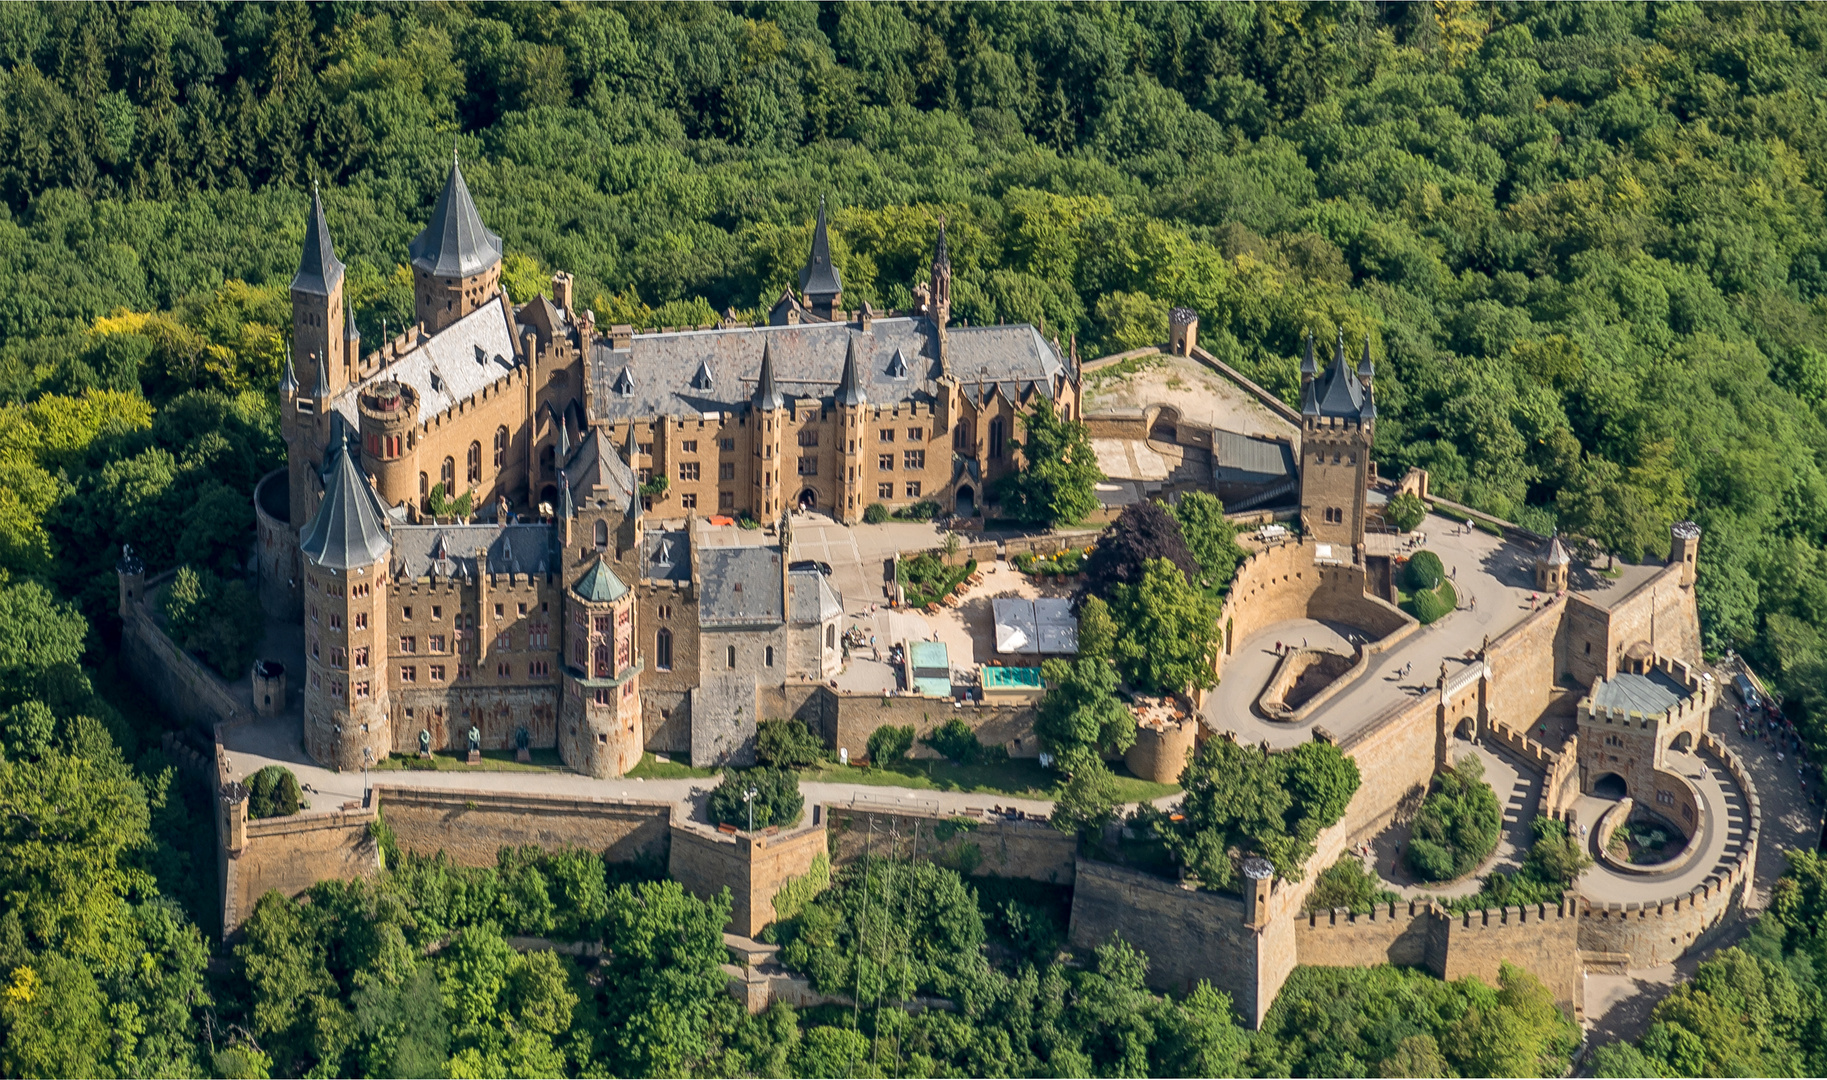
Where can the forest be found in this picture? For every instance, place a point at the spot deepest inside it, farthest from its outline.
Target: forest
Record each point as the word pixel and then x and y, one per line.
pixel 1585 243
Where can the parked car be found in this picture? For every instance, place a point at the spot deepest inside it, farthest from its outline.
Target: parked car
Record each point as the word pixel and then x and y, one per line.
pixel 811 564
pixel 1746 692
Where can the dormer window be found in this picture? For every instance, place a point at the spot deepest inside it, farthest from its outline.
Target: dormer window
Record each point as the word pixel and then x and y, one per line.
pixel 481 355
pixel 704 378
pixel 897 367
pixel 624 384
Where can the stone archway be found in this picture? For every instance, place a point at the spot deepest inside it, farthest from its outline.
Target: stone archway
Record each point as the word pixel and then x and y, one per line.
pixel 808 499
pixel 1466 729
pixel 966 502
pixel 1682 743
pixel 1610 786
pixel 549 495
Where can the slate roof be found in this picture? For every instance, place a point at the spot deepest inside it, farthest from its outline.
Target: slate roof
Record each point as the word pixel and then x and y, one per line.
pixel 739 586
pixel 1342 395
pixel 451 550
pixel 666 555
pixel 849 387
pixel 1556 554
pixel 1245 460
pixel 350 528
pixel 811 598
pixel 600 585
pixel 456 243
pixel 319 270
pixel 452 366
pixel 818 277
pixel 808 363
pixel 1649 694
pixel 596 471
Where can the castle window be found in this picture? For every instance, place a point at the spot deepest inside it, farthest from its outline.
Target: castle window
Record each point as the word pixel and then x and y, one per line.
pixel 314 655
pixel 371 444
pixel 770 656
pixel 501 446
pixel 831 636
pixel 645 448
pixel 886 434
pixel 437 672
pixel 601 624
pixel 406 613
pixel 915 434
pixel 732 656
pixel 808 437
pixel 447 475
pixel 885 462
pixel 539 669
pixel 361 657
pixel 521 609
pixel 688 501
pixel 913 489
pixel 726 500
pixel 726 445
pixel 913 459
pixel 312 609
pixel 603 696
pixel 409 673
pixel 665 611
pixel 539 636
pixel 506 671
pixel 808 466
pixel 688 470
pixel 689 446
pixel 884 491
pixel 475 462
pixel 996 437
pixel 602 535
pixel 463 672
pixel 361 690
pixel 600 667
pixel 361 620
pixel 336 623
pixel 662 650
pixel 726 471
pixel 409 644
pixel 504 640
pixel 424 485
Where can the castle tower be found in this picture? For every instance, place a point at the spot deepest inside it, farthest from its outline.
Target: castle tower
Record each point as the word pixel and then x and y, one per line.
pixel 819 281
pixel 389 409
pixel 317 303
pixel 600 731
pixel 1338 417
pixel 456 260
pixel 1551 567
pixel 853 407
pixel 1684 548
pixel 346 549
pixel 1182 331
pixel 770 485
pixel 131 573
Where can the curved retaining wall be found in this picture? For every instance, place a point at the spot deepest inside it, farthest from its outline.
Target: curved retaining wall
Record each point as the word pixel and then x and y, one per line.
pixel 1282 582
pixel 276 547
pixel 1658 931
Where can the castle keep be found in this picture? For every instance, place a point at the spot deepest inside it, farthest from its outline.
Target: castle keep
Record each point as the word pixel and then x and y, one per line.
pixel 566 604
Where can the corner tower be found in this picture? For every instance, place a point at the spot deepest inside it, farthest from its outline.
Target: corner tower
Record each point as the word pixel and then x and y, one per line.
pixel 600 727
pixel 456 261
pixel 1338 418
pixel 819 282
pixel 346 550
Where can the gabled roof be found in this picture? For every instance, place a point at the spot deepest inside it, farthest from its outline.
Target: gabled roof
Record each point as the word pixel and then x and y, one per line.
pixel 451 551
pixel 739 586
pixel 456 243
pixel 811 599
pixel 454 365
pixel 319 270
pixel 818 277
pixel 544 317
pixel 600 585
pixel 350 527
pixel 596 472
pixel 849 386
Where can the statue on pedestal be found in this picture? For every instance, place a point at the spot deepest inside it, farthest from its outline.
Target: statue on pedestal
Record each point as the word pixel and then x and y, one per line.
pixel 475 745
pixel 521 743
pixel 424 743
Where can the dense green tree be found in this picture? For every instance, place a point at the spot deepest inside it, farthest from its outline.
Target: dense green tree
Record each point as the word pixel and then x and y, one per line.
pixel 1459 823
pixel 1144 531
pixel 1168 638
pixel 1055 483
pixel 1211 539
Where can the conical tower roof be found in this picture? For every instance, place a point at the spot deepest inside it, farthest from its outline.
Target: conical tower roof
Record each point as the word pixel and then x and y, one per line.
pixel 319 270
pixel 1366 370
pixel 288 386
pixel 1556 555
pixel 600 585
pixel 818 277
pixel 350 527
pixel 767 392
pixel 942 255
pixel 850 386
pixel 1307 364
pixel 1344 394
pixel 456 243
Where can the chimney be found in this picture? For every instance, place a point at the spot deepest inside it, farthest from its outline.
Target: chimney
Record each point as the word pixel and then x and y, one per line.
pixel 561 290
pixel 621 337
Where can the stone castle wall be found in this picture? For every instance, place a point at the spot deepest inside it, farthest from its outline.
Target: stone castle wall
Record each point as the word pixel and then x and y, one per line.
pixel 473 826
pixel 178 681
pixel 993 846
pixel 289 855
pixel 752 867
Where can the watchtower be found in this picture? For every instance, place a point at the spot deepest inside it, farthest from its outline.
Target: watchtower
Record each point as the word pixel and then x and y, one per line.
pixel 1338 418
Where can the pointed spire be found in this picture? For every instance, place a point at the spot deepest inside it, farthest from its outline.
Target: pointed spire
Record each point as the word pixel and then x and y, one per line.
pixel 1338 351
pixel 850 386
pixel 350 528
pixel 288 386
pixel 456 243
pixel 767 394
pixel 566 508
pixel 818 277
pixel 942 255
pixel 1369 410
pixel 323 375
pixel 319 270
pixel 1366 370
pixel 564 443
pixel 352 336
pixel 1308 368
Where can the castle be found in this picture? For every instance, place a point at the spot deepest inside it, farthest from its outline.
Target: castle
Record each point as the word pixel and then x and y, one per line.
pixel 582 614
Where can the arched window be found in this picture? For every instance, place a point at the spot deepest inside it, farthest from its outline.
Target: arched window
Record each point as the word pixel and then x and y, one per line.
pixel 602 534
pixel 448 476
pixel 732 656
pixel 831 636
pixel 770 656
pixel 602 662
pixel 662 650
pixel 475 462
pixel 501 443
pixel 996 437
pixel 424 485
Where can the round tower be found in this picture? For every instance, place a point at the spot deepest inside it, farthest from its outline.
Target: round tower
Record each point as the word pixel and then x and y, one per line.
pixel 1684 548
pixel 388 411
pixel 600 732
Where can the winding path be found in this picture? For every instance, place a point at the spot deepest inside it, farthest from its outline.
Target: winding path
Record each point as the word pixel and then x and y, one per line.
pixel 1725 832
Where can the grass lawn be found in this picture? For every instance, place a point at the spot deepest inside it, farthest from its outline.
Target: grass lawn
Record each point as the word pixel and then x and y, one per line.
pixel 492 761
pixel 1021 777
pixel 679 768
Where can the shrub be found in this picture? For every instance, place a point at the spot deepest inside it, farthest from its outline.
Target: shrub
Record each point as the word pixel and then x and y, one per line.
pixel 777 798
pixel 1425 570
pixel 955 740
pixel 875 514
pixel 1405 511
pixel 1432 604
pixel 788 744
pixel 273 792
pixel 1458 825
pixel 889 743
pixel 1346 884
pixel 921 511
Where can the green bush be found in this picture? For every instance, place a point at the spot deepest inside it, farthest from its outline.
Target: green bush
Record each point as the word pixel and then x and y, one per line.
pixel 1069 561
pixel 925 579
pixel 875 514
pixel 1346 884
pixel 788 744
pixel 1405 511
pixel 1432 604
pixel 1459 824
pixel 1425 570
pixel 777 798
pixel 273 792
pixel 924 510
pixel 889 744
pixel 955 740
